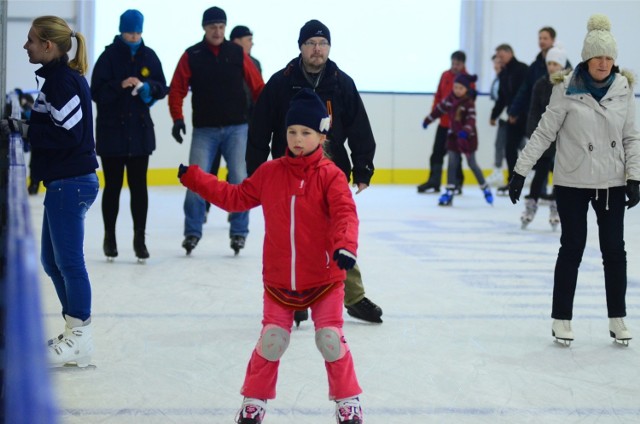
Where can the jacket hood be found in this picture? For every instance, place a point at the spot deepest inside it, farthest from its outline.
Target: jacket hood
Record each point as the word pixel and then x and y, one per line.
pixel 565 75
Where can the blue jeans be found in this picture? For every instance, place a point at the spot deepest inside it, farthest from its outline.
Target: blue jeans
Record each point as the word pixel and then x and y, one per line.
pixel 205 143
pixel 66 203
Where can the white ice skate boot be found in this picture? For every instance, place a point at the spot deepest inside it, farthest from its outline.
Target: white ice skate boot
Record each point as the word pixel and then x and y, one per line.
pixel 618 330
pixel 348 411
pixel 252 411
pixel 496 178
pixel 75 346
pixel 530 209
pixel 554 218
pixel 561 330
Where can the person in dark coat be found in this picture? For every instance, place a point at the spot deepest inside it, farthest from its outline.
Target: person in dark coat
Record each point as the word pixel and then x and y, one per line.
pixel 511 78
pixel 127 80
pixel 349 124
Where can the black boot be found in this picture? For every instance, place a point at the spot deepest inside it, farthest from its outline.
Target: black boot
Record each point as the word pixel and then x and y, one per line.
pixel 432 185
pixel 109 246
pixel 365 310
pixel 299 316
pixel 139 246
pixel 190 243
pixel 237 243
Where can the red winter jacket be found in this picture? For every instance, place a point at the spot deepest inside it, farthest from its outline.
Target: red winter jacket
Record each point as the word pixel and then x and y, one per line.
pixel 308 210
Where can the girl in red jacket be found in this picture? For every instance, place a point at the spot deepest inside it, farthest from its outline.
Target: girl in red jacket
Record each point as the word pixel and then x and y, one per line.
pixel 462 138
pixel 311 236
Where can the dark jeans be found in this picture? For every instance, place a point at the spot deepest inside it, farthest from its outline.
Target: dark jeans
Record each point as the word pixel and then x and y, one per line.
pixel 113 169
pixel 573 205
pixel 66 203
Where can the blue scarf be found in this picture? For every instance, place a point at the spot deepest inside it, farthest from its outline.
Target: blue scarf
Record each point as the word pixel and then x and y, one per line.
pixel 582 82
pixel 132 46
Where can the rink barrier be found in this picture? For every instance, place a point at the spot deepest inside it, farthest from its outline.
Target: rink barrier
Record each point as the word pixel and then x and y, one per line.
pixel 28 394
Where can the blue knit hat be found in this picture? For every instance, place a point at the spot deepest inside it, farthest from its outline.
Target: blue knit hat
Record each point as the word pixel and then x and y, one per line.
pixel 131 21
pixel 307 109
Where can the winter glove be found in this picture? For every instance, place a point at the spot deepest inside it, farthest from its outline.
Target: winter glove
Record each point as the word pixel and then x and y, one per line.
pixel 144 92
pixel 463 134
pixel 426 122
pixel 178 125
pixel 182 170
pixel 19 126
pixel 633 193
pixel 345 259
pixel 515 187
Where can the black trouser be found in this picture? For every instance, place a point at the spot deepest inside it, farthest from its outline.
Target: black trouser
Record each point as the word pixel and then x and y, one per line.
pixel 515 135
pixel 543 166
pixel 113 169
pixel 573 205
pixel 436 160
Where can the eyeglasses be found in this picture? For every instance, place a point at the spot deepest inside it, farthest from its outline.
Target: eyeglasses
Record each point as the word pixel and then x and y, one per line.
pixel 313 44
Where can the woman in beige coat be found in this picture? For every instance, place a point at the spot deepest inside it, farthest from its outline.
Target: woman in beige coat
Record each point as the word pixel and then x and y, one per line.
pixel 591 117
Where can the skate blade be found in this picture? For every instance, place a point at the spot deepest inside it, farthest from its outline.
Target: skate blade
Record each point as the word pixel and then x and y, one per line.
pixel 142 261
pixel 73 367
pixel 563 342
pixel 111 258
pixel 622 342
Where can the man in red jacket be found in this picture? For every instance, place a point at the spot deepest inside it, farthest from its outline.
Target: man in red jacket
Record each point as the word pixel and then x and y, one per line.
pixel 216 70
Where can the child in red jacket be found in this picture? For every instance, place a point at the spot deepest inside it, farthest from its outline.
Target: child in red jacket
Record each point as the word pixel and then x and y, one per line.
pixel 310 217
pixel 462 138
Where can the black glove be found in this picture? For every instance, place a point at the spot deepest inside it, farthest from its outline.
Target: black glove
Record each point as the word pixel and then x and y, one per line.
pixel 515 187
pixel 345 259
pixel 633 193
pixel 19 126
pixel 178 125
pixel 182 170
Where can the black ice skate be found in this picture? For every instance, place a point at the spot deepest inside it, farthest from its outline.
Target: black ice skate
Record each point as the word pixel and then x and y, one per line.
pixel 237 243
pixel 429 187
pixel 365 310
pixel 139 246
pixel 503 190
pixel 190 243
pixel 299 316
pixel 109 246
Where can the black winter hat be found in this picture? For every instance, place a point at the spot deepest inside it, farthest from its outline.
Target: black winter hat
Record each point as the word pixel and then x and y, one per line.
pixel 214 15
pixel 239 32
pixel 466 80
pixel 313 28
pixel 307 109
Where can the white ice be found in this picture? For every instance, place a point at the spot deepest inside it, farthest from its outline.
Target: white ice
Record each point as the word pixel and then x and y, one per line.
pixel 466 336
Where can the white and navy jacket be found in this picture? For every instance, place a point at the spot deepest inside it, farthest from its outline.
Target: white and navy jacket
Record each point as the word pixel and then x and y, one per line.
pixel 61 125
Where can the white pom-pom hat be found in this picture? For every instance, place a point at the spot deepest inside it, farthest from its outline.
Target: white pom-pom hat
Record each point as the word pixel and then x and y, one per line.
pixel 599 41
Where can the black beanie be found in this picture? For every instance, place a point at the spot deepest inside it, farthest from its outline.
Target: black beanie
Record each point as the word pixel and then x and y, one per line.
pixel 214 15
pixel 313 28
pixel 307 109
pixel 239 31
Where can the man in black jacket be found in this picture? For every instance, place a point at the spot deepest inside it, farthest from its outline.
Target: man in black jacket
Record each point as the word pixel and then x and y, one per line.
pixel 511 78
pixel 349 122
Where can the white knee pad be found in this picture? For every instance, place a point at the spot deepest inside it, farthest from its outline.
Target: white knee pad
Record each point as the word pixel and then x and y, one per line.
pixel 331 343
pixel 273 342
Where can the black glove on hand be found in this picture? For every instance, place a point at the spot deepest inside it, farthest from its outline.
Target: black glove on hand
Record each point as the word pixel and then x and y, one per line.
pixel 182 170
pixel 515 187
pixel 178 125
pixel 345 259
pixel 633 193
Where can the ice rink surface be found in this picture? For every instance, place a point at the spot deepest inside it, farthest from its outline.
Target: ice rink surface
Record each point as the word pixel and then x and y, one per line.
pixel 466 336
